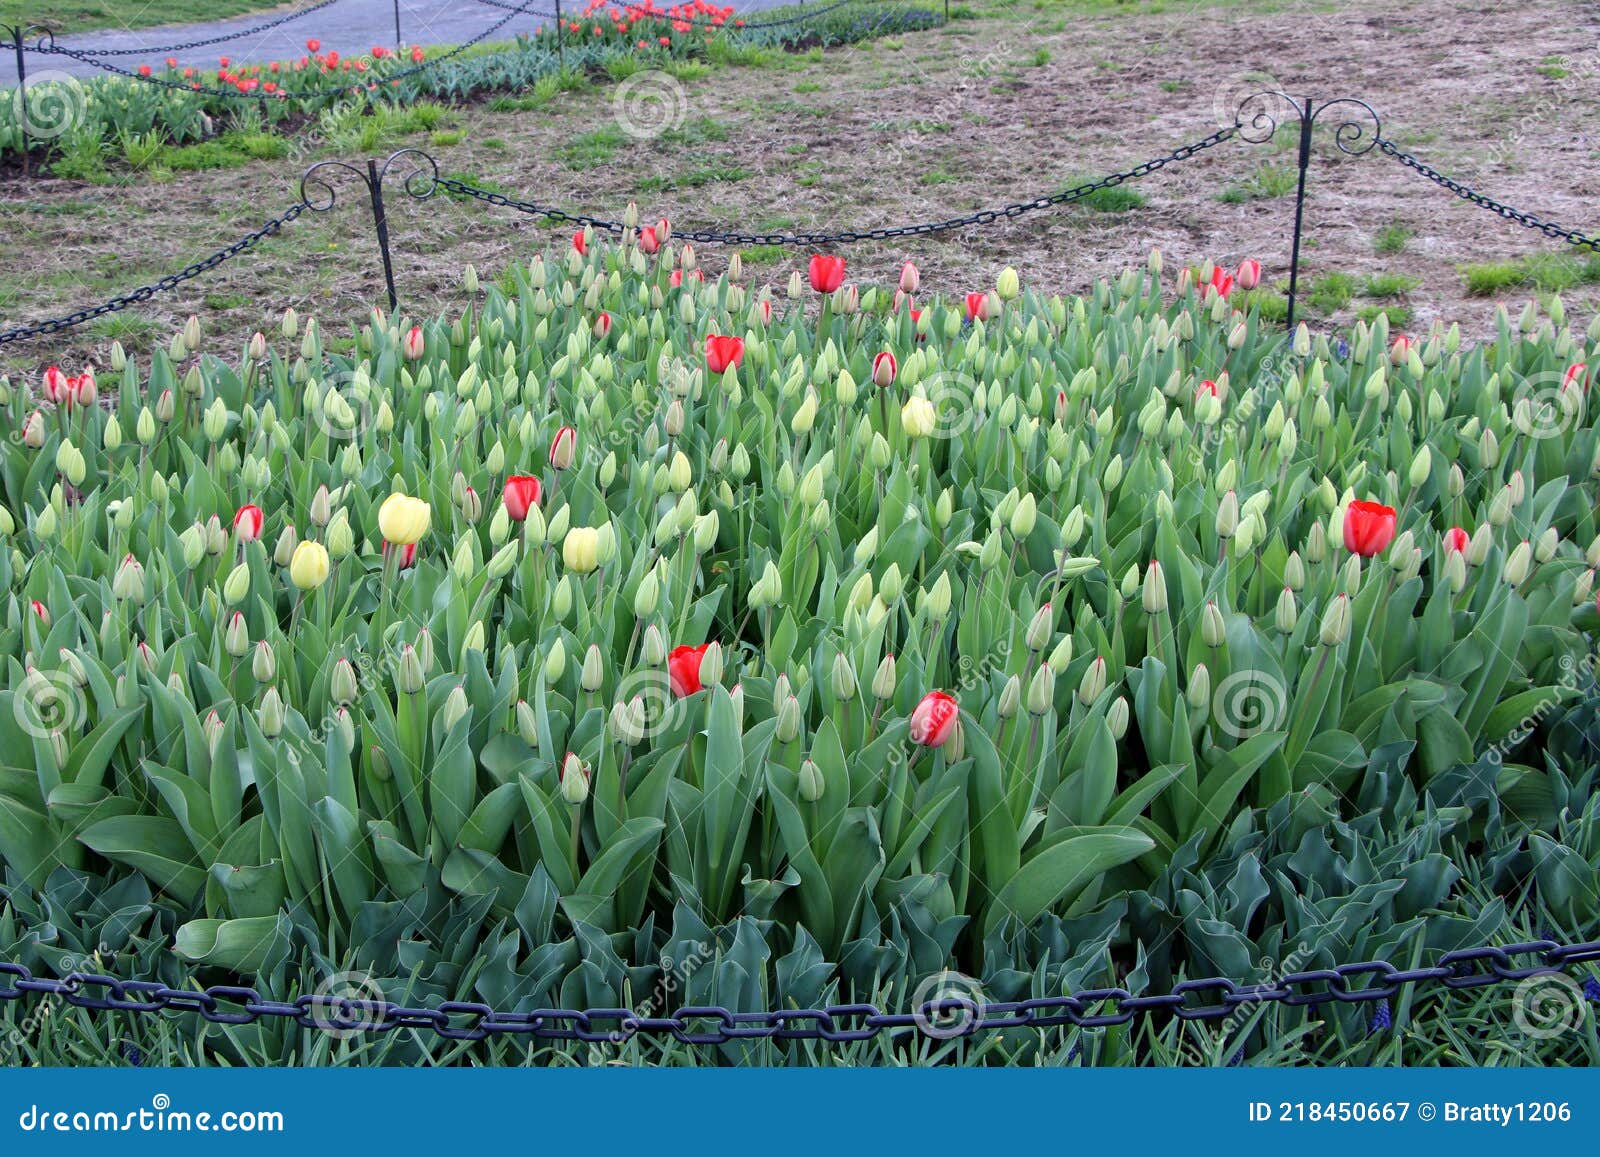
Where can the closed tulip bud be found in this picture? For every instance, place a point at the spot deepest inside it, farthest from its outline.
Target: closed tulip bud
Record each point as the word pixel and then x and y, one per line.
pixel 1583 588
pixel 270 714
pixel 1544 548
pixel 341 539
pixel 1040 630
pixel 1154 595
pixel 883 680
pixel 309 566
pixel 342 684
pixel 283 552
pixel 1288 613
pixel 44 527
pixel 166 406
pixel 1091 686
pixel 1024 517
pixel 1421 467
pixel 193 544
pixel 1455 571
pixel 811 784
pixel 653 649
pixel 1316 544
pixel 1198 691
pixel 843 677
pixel 1400 550
pixel 1336 621
pixel 711 664
pixel 1042 690
pixel 592 674
pixel 706 528
pixel 1112 477
pixel 788 729
pixel 1350 574
pixel 1008 285
pixel 1227 515
pixel 580 549
pixel 1499 512
pixel 1294 572
pixel 527 724
pixel 1488 450
pixel 264 666
pixel 236 638
pixel 938 599
pixel 473 641
pixel 1213 629
pixel 237 585
pixel 1518 563
pixel 918 418
pixel 127 585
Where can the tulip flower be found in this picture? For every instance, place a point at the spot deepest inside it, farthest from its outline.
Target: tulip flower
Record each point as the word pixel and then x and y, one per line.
pixel 403 520
pixel 247 523
pixel 649 241
pixel 910 278
pixel 563 447
pixel 683 669
pixel 723 353
pixel 1456 540
pixel 1248 275
pixel 977 306
pixel 884 369
pixel 580 244
pixel 308 569
pixel 1368 527
pixel 413 345
pixel 1220 285
pixel 934 719
pixel 580 550
pixel 313 46
pixel 1576 374
pixel 602 325
pixel 827 273
pixel 520 494
pixel 1400 350
pixel 918 417
pixel 407 557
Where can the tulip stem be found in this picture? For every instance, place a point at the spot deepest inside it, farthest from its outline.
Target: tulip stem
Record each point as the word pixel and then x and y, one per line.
pixel 577 836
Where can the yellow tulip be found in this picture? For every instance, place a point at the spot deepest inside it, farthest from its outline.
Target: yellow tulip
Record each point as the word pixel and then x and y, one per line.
pixel 308 569
pixel 404 520
pixel 918 417
pixel 580 550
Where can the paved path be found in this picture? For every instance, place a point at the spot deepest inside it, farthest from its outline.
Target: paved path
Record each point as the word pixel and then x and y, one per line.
pixel 350 26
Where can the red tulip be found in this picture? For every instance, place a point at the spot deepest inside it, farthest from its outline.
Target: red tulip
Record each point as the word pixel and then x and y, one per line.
pixel 144 70
pixel 520 494
pixel 884 370
pixel 1400 349
pixel 1456 539
pixel 417 54
pixel 1576 373
pixel 408 555
pixel 222 62
pixel 1206 387
pixel 766 311
pixel 313 45
pixel 247 523
pixel 683 669
pixel 723 353
pixel 1248 275
pixel 827 273
pixel 1368 527
pixel 677 277
pixel 977 306
pixel 648 241
pixel 910 278
pixel 41 611
pixel 563 447
pixel 934 719
pixel 602 325
pixel 579 243
pixel 1221 283
pixel 1061 405
pixel 414 344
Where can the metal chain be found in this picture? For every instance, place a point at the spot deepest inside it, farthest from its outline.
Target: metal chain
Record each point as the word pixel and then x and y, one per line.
pixel 48 45
pixel 1528 220
pixel 642 13
pixel 145 293
pixel 713 1024
pixel 985 217
pixel 285 94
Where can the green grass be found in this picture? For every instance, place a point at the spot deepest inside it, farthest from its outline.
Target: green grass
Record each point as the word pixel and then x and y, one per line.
pixel 1116 199
pixel 229 151
pixel 82 15
pixel 1392 239
pixel 591 149
pixel 1389 285
pixel 1546 272
pixel 694 178
pixel 1331 292
pixel 1268 181
pixel 1399 315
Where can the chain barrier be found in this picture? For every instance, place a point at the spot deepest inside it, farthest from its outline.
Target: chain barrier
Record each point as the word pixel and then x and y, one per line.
pixel 1466 968
pixel 166 284
pixel 1527 220
pixel 641 12
pixel 984 217
pixel 304 97
pixel 48 46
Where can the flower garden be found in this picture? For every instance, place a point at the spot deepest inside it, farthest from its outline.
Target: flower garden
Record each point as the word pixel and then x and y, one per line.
pixel 628 637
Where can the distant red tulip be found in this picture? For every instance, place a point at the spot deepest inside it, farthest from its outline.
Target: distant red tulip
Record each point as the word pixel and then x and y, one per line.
pixel 934 719
pixel 247 523
pixel 884 369
pixel 676 279
pixel 723 353
pixel 1368 527
pixel 1248 275
pixel 414 344
pixel 563 447
pixel 683 669
pixel 144 70
pixel 602 324
pixel 977 306
pixel 827 273
pixel 648 241
pixel 579 243
pixel 417 54
pixel 313 45
pixel 520 494
pixel 1456 539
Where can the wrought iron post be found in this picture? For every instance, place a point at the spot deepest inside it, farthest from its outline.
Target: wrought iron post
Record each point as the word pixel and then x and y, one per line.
pixel 420 183
pixel 17 33
pixel 399 41
pixel 561 43
pixel 1258 127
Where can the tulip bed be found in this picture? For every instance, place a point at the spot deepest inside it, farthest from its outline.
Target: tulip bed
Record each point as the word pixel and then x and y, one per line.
pixel 191 101
pixel 632 638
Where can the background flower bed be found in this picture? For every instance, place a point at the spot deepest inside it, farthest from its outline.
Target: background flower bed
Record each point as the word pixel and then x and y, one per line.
pixel 1229 742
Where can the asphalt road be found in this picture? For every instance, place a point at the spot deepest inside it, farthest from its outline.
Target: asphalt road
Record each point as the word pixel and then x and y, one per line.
pixel 350 26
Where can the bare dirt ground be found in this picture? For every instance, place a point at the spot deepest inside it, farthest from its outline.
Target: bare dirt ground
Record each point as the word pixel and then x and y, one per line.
pixel 1011 105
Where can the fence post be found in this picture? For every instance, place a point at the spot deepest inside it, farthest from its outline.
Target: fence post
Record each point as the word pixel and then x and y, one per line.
pixel 399 40
pixel 561 44
pixel 373 177
pixel 1258 128
pixel 17 32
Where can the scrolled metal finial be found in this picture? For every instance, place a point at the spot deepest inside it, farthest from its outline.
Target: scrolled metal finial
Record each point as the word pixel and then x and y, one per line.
pixel 1350 135
pixel 1258 128
pixel 422 181
pixel 310 180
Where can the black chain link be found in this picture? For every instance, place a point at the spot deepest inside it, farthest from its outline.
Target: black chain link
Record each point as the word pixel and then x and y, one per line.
pixel 643 13
pixel 47 44
pixel 166 284
pixel 1527 220
pixel 714 1024
pixel 985 217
